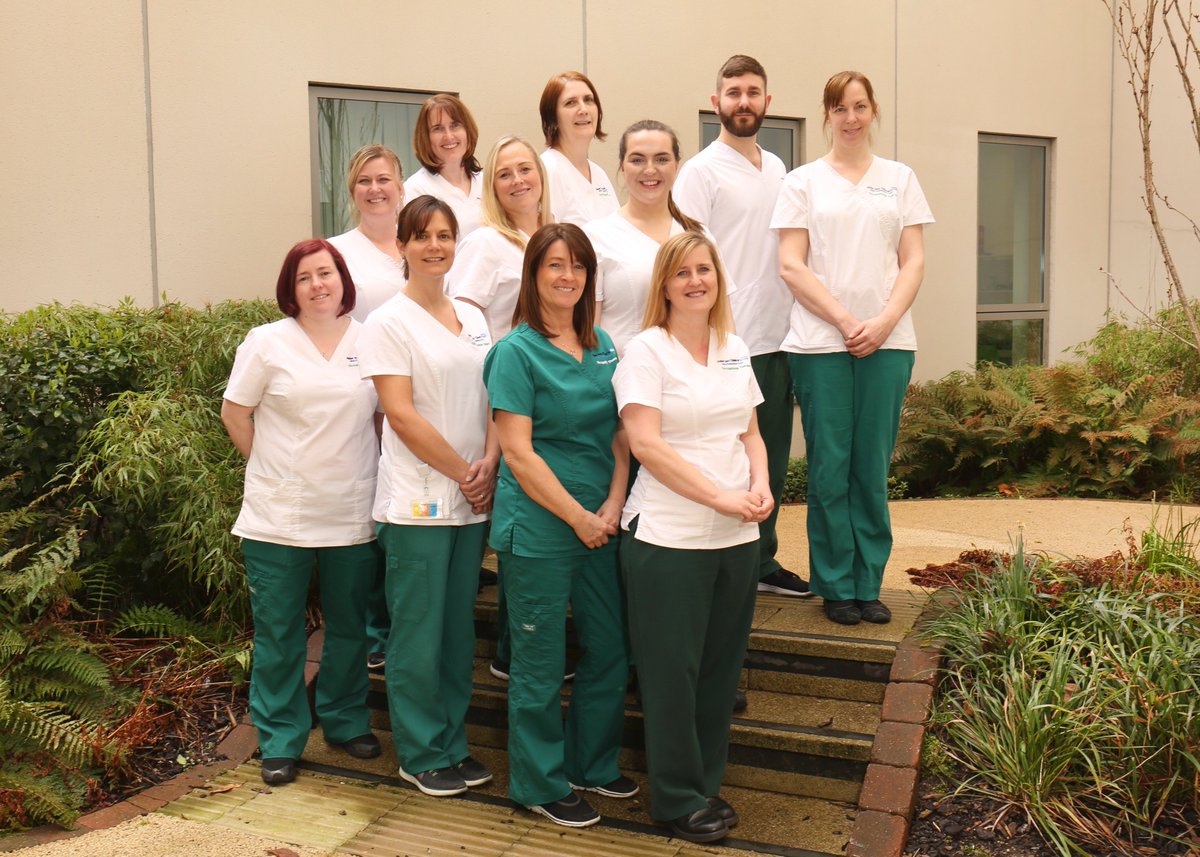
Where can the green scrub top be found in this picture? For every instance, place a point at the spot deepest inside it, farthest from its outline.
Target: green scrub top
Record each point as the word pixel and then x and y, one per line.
pixel 574 413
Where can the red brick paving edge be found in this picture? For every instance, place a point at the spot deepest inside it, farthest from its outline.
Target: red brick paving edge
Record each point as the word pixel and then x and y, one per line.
pixel 234 749
pixel 885 806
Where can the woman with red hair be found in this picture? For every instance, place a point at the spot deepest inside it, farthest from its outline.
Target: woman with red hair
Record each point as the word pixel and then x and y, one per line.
pixel 298 410
pixel 580 190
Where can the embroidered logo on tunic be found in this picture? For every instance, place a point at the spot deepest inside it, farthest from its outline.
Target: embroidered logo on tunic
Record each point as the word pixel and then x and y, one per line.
pixel 734 363
pixel 352 360
pixel 479 340
pixel 601 190
pixel 603 358
pixel 883 191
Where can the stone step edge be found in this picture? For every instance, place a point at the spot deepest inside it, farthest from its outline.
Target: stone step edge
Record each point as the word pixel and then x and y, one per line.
pixel 625 825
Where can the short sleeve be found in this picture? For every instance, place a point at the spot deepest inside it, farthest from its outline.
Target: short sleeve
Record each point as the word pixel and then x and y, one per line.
pixel 383 347
pixel 639 377
pixel 690 192
pixel 476 271
pixel 915 208
pixel 508 376
pixel 791 208
pixel 248 378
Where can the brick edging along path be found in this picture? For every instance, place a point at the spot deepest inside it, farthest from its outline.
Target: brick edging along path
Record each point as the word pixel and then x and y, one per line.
pixel 234 749
pixel 889 792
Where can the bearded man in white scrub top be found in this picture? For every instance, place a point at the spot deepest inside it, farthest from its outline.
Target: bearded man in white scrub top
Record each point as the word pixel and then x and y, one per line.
pixel 731 187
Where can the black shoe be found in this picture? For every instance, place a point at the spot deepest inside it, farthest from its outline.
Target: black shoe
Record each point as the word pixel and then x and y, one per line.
pixel 740 703
pixel 727 813
pixel 499 669
pixel 622 786
pixel 362 747
pixel 843 612
pixel 473 772
pixel 703 825
pixel 276 771
pixel 487 577
pixel 375 661
pixel 439 782
pixel 571 811
pixel 875 611
pixel 784 582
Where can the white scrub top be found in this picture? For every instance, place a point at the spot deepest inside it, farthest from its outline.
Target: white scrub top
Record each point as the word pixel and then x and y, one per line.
pixel 487 271
pixel 624 267
pixel 377 276
pixel 401 338
pixel 705 410
pixel 853 244
pixel 573 199
pixel 310 479
pixel 722 189
pixel 466 206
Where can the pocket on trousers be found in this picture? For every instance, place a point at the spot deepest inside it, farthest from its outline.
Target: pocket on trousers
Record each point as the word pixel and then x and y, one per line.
pixel 408 589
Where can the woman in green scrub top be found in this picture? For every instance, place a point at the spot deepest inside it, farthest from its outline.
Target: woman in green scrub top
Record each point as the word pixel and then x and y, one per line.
pixel 554 526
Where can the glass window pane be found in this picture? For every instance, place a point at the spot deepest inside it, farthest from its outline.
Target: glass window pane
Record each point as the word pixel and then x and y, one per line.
pixel 1011 241
pixel 710 128
pixel 345 125
pixel 778 141
pixel 1010 341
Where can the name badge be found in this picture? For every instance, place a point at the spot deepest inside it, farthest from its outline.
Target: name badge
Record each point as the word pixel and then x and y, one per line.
pixel 432 509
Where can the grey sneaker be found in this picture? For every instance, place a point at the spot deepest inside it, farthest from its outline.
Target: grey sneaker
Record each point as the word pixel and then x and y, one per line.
pixel 438 782
pixel 473 772
pixel 571 811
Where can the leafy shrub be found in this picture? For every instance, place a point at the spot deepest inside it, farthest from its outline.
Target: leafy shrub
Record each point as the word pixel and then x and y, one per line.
pixel 1076 702
pixel 1120 350
pixel 1048 431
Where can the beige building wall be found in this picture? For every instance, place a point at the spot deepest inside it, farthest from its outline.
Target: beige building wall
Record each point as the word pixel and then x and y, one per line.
pixel 75 212
pixel 232 156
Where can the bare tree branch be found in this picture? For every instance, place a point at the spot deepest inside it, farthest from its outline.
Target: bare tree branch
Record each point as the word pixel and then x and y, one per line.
pixel 1147 317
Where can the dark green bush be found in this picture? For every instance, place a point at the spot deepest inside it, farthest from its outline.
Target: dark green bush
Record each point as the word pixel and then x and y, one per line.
pixel 1058 430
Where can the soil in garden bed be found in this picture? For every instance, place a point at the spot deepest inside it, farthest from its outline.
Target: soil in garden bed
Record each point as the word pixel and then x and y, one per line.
pixel 973 826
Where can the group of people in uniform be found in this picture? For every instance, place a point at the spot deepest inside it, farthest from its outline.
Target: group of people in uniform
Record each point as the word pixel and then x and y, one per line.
pixel 601 392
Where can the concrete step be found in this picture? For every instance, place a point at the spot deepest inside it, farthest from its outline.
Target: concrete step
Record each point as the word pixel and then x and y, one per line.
pixel 771 822
pixel 783 742
pixel 792 648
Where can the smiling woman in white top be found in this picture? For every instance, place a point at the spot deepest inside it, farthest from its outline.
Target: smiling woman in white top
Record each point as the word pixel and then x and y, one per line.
pixel 487 269
pixel 425 354
pixel 627 240
pixel 444 141
pixel 852 251
pixel 375 181
pixel 297 409
pixel 686 394
pixel 580 190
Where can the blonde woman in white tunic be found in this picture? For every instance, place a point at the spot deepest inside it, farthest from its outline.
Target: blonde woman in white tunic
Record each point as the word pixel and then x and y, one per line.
pixel 487 268
pixel 580 190
pixel 689 556
pixel 297 409
pixel 375 182
pixel 627 240
pixel 444 141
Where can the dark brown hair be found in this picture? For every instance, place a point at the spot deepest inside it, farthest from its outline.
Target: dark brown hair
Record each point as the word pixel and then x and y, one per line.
pixel 529 302
pixel 548 106
pixel 457 112
pixel 740 64
pixel 285 286
pixel 654 125
pixel 415 217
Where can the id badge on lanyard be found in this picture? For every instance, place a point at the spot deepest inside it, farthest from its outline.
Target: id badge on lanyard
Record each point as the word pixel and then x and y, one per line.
pixel 427 506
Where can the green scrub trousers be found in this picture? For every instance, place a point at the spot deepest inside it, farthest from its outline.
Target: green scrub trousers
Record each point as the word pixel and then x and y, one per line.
pixel 279 576
pixel 689 618
pixel 850 409
pixel 432 580
pixel 775 425
pixel 544 759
